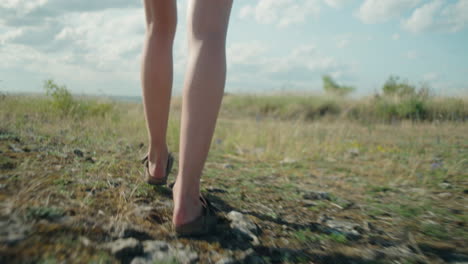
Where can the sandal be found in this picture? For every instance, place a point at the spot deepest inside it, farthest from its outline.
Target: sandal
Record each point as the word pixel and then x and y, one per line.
pixel 202 225
pixel 156 181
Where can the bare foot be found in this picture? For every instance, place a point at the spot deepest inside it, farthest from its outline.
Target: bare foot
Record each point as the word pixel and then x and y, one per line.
pixel 187 204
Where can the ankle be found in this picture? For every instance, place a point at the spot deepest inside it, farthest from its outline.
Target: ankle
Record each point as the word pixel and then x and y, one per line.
pixel 184 191
pixel 157 151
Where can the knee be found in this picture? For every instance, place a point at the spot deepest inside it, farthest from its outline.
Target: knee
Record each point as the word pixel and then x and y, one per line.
pixel 209 20
pixel 164 26
pixel 208 34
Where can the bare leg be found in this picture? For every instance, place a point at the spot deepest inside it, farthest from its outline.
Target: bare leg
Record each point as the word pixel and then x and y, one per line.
pixel 202 96
pixel 156 76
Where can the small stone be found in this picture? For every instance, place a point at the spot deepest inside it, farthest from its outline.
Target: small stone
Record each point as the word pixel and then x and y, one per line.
pixel 155 245
pixel 14 148
pixel 345 204
pixel 445 185
pixel 351 230
pixel 241 221
pixel 418 191
pixel 85 241
pixel 380 241
pixel 12 232
pixel 125 248
pixel 288 161
pixel 179 245
pixel 90 159
pixel 141 260
pixel 317 195
pixel 228 166
pixel 78 153
pixel 244 226
pixel 323 218
pixel 156 251
pixel 396 252
pixel 444 195
pixel 186 256
pixel 354 152
pixel 226 260
pixel 308 203
pixel 259 150
pixel 341 224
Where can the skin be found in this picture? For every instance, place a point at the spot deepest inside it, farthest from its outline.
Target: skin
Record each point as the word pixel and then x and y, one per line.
pixel 207 24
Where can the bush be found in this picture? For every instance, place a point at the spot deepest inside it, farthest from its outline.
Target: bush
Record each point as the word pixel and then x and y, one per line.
pixel 402 100
pixel 396 87
pixel 331 87
pixel 410 108
pixel 64 103
pixel 62 100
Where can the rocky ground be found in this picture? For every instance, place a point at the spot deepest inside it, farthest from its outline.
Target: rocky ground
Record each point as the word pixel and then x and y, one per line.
pixel 61 203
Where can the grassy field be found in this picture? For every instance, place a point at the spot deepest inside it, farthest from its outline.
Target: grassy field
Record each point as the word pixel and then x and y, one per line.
pixel 326 180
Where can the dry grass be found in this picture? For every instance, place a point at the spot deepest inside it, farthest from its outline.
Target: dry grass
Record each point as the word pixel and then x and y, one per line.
pixel 395 174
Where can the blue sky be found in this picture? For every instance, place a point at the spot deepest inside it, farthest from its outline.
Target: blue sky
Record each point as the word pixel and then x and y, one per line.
pixel 94 47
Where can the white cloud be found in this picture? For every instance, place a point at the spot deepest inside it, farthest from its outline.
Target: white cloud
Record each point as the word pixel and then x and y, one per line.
pixel 22 7
pixel 396 36
pixel 90 46
pixel 245 52
pixel 283 13
pixel 431 76
pixel 336 3
pixel 423 17
pixel 33 12
pixel 375 11
pixel 437 15
pixel 412 55
pixel 343 40
pixel 456 16
pixel 302 67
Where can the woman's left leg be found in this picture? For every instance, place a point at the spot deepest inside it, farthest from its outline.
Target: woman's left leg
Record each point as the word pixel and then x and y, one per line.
pixel 156 78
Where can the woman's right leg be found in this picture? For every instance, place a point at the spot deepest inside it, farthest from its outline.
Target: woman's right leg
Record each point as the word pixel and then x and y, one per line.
pixel 156 76
pixel 202 95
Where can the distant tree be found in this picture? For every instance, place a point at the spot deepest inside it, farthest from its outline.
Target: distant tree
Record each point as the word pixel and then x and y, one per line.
pixel 62 99
pixel 394 86
pixel 331 87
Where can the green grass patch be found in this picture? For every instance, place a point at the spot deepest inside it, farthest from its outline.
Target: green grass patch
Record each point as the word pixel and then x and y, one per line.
pixel 49 213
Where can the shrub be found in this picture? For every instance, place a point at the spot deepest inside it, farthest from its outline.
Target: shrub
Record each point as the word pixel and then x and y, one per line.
pixel 62 100
pixel 396 87
pixel 66 105
pixel 331 87
pixel 402 100
pixel 412 108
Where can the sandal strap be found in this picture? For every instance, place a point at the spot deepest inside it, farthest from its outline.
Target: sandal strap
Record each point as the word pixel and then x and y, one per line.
pixel 170 161
pixel 203 224
pixel 144 159
pixel 208 205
